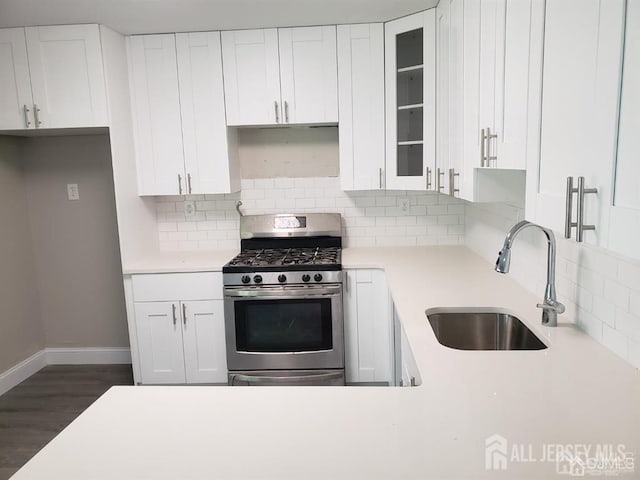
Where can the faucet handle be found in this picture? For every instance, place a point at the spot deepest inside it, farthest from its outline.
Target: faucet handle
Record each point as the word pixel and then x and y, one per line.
pixel 552 305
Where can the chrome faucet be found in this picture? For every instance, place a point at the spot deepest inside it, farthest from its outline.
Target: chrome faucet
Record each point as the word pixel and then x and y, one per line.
pixel 550 306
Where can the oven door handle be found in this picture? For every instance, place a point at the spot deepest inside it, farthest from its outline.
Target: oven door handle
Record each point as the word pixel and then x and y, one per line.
pixel 288 379
pixel 283 292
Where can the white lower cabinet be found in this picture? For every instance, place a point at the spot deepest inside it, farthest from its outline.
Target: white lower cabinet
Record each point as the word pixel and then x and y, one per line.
pixel 178 334
pixel 369 348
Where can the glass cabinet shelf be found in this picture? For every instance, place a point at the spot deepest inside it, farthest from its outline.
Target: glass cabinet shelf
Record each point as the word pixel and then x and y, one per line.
pixel 410 68
pixel 411 142
pixel 409 107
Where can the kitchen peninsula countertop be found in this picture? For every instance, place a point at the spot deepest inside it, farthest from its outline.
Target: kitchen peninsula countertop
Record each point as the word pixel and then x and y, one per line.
pixel 574 392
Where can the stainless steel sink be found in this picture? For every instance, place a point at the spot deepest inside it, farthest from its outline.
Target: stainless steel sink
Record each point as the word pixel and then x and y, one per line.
pixel 482 330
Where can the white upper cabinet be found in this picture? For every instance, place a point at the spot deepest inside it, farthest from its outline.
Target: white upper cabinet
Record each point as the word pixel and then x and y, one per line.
pixel 308 74
pixel 502 64
pixel 52 77
pixel 624 222
pixel 489 68
pixel 15 84
pixel 209 163
pixel 252 77
pixel 280 76
pixel 361 105
pixel 410 73
pixel 182 141
pixel 157 123
pixel 582 68
pixel 67 76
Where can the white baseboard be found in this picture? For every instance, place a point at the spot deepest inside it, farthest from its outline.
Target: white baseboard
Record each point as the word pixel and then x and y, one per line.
pixel 61 356
pixel 20 372
pixel 87 356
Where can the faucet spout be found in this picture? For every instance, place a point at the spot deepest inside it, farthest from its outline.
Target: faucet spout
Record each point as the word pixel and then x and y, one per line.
pixel 550 305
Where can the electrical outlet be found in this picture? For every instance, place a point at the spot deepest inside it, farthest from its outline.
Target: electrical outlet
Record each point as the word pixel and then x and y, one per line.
pixel 404 204
pixel 72 191
pixel 189 208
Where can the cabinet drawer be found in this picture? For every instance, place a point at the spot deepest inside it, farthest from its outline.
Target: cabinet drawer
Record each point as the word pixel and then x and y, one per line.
pixel 177 286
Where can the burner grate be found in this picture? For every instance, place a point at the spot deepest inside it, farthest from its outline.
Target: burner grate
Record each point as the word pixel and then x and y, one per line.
pixel 272 257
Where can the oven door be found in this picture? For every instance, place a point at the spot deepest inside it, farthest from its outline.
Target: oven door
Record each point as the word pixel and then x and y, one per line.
pixel 284 327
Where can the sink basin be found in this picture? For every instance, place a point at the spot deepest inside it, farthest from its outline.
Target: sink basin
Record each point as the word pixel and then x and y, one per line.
pixel 482 330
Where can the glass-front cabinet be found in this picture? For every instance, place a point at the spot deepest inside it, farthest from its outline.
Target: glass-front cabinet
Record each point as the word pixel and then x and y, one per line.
pixel 410 55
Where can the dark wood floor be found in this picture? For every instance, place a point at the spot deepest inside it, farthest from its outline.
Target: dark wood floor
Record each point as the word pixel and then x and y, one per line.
pixel 36 410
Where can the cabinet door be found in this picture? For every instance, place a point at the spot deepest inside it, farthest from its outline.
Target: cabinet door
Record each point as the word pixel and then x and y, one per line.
pixel 208 164
pixel 410 73
pixel 205 356
pixel 361 105
pixel 624 227
pixel 518 74
pixel 368 328
pixel 15 83
pixel 156 112
pixel 252 77
pixel 582 55
pixel 308 72
pixel 450 139
pixel 67 77
pixel 160 342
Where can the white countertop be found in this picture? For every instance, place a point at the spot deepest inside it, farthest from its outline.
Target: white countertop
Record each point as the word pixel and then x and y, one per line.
pixel 574 392
pixel 170 262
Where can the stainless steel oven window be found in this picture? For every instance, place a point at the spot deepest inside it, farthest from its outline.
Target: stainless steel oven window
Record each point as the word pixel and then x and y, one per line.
pixel 294 325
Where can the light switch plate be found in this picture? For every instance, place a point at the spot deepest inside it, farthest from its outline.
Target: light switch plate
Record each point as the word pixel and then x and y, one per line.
pixel 72 191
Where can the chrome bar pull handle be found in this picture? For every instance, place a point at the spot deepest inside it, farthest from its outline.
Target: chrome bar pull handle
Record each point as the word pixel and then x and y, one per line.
pixel 380 178
pixel 439 174
pixel 581 227
pixel 488 157
pixel 286 111
pixel 175 317
pixel 189 183
pixel 36 115
pixel 452 182
pixel 483 152
pixel 428 178
pixel 179 184
pixel 568 222
pixel 25 111
pixel 184 315
pixel 275 106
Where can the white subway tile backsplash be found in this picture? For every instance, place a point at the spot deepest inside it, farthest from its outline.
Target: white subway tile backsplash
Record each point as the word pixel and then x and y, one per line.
pixel 615 341
pixel 604 310
pixel 370 217
pixel 617 294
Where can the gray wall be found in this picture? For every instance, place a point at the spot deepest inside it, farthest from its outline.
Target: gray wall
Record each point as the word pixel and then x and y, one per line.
pixel 75 243
pixel 21 333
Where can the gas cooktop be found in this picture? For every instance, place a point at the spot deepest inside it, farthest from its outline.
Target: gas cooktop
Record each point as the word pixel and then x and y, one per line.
pixel 285 259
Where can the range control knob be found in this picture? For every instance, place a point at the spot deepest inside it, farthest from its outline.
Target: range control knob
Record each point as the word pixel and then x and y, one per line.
pixel 282 278
pixel 246 279
pixel 317 277
pixel 257 278
pixel 306 278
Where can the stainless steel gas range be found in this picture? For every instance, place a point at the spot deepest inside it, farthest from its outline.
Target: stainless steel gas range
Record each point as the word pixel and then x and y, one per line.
pixel 283 301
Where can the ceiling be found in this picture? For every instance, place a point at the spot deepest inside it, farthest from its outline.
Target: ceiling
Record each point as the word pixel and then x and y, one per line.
pixel 159 16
